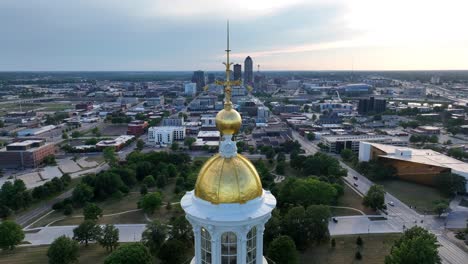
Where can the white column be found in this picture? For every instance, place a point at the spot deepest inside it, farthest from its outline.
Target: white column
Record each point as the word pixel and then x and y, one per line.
pixel 241 247
pixel 215 246
pixel 260 229
pixel 197 237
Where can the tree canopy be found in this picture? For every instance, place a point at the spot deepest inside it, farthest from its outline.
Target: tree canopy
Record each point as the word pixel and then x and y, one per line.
pixel 86 232
pixel 92 212
pixel 135 253
pixel 11 234
pixel 282 250
pixel 416 246
pixel 63 251
pixel 154 236
pixel 109 238
pixel 375 197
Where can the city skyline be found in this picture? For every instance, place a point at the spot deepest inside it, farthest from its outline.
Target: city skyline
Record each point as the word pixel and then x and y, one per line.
pixel 277 34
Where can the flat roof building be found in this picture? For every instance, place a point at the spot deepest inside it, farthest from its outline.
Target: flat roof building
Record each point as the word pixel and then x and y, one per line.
pixel 166 134
pixel 336 144
pixel 25 154
pixel 118 143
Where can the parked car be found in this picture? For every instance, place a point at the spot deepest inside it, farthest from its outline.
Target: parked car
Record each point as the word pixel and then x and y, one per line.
pixel 335 220
pixel 391 203
pixel 355 184
pixel 355 177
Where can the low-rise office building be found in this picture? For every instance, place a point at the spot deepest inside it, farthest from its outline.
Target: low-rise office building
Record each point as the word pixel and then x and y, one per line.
pixel 117 143
pixel 25 154
pixel 166 134
pixel 137 127
pixel 336 144
pixel 426 130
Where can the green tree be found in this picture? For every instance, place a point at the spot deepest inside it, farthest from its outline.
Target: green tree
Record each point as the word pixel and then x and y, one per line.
pixel 149 181
pixel 150 202
pixel 375 197
pixel 11 234
pixel 307 226
pixel 272 229
pixel 311 136
pixel 82 194
pixel 161 180
pixel 109 238
pixel 181 229
pixel 154 236
pixel 172 252
pixel 171 171
pixel 282 250
pixel 92 212
pixel 135 253
pixel 175 146
pixel 416 246
pixel 441 207
pixel 76 134
pixel 450 183
pixel 306 192
pixel 188 141
pixel 140 144
pixel 64 135
pixel 280 166
pixel 86 232
pixel 110 156
pixel 347 154
pixel 63 251
pixel 143 189
pixel 143 169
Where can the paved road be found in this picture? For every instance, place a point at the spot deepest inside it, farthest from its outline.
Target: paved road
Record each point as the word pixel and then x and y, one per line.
pixel 400 216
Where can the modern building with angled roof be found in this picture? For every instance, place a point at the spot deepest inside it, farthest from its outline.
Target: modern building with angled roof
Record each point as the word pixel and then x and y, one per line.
pixel 416 165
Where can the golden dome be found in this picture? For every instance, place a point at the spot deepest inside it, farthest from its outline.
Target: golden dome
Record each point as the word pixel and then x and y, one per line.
pixel 228 121
pixel 228 180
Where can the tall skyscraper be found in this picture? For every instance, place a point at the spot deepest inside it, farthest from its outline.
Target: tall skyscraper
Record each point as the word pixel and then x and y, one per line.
pixel 199 78
pixel 211 78
pixel 248 71
pixel 237 72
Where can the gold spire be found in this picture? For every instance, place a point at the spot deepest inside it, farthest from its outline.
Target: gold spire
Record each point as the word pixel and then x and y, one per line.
pixel 228 83
pixel 228 120
pixel 228 177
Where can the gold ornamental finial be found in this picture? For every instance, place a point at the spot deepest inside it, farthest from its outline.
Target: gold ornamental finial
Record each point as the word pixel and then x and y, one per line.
pixel 228 83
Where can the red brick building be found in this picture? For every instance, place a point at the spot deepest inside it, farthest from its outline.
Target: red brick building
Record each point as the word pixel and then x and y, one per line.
pixel 137 128
pixel 25 154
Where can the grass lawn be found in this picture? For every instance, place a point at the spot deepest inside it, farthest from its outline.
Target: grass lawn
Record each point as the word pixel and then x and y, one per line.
pixel 113 206
pixel 413 194
pixel 38 255
pixel 137 217
pixel 374 250
pixel 350 199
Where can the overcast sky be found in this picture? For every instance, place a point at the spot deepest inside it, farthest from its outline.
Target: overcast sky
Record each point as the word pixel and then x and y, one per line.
pixel 190 34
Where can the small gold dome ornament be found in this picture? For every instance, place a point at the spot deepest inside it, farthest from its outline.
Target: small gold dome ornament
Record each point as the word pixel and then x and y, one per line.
pixel 228 121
